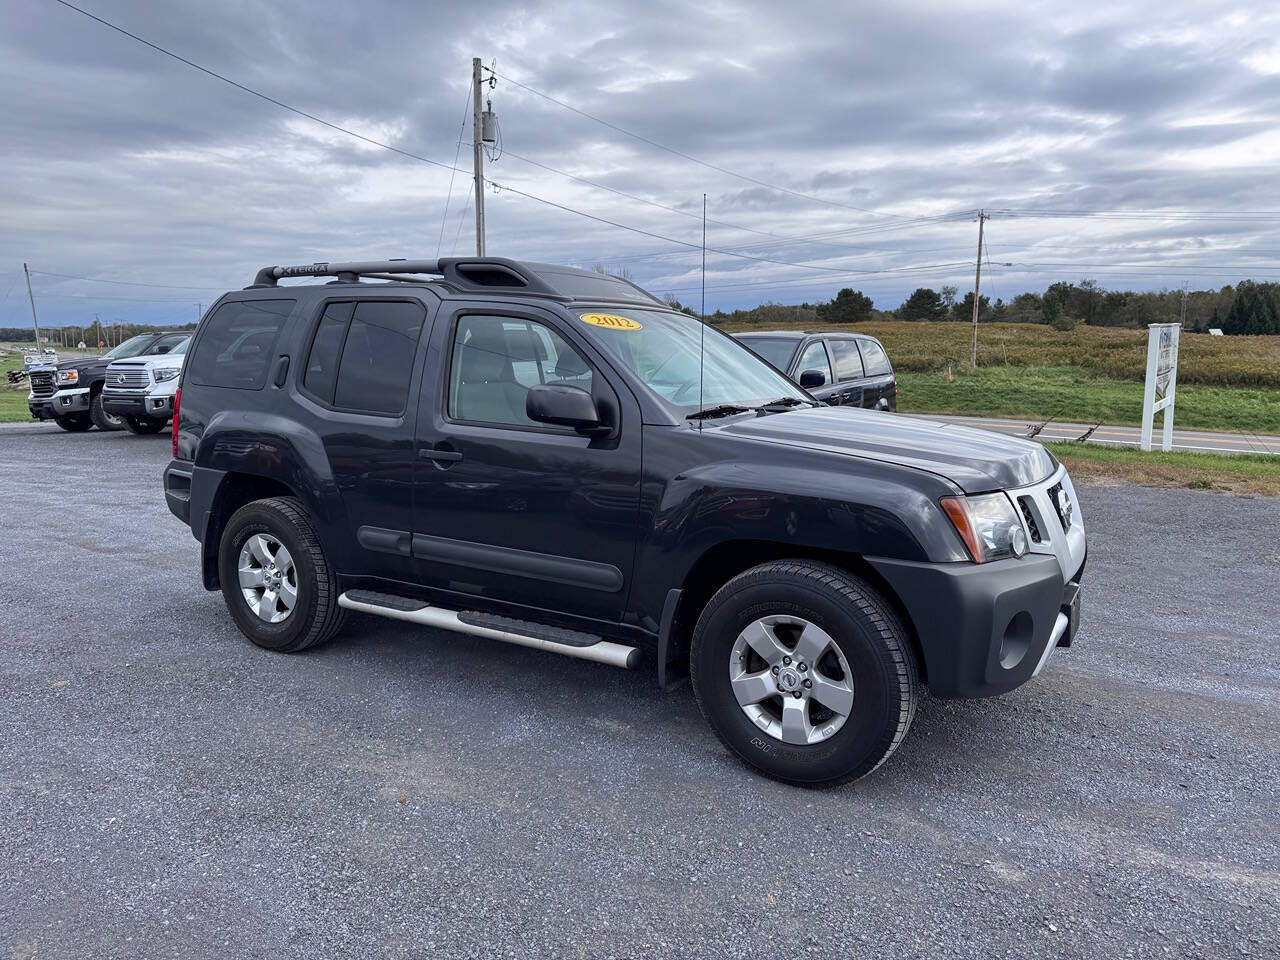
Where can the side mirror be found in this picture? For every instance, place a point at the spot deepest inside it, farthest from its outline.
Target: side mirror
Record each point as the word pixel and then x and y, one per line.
pixel 812 378
pixel 562 405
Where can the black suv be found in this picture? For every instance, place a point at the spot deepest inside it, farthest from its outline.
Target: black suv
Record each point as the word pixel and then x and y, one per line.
pixel 70 394
pixel 842 369
pixel 553 458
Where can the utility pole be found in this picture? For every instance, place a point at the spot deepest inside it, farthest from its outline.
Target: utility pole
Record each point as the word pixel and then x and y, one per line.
pixel 31 296
pixel 477 152
pixel 1182 318
pixel 97 330
pixel 977 288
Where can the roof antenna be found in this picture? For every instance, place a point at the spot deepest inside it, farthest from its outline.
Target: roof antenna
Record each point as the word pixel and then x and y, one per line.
pixel 702 326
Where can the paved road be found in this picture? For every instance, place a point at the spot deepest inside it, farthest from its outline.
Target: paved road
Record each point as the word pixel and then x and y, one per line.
pixel 167 789
pixel 1200 440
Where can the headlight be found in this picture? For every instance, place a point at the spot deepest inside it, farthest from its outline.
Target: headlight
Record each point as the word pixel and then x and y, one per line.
pixel 68 376
pixel 989 526
pixel 165 373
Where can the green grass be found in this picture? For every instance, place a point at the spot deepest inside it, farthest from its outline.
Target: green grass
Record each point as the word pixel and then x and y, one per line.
pixel 1073 394
pixel 1256 474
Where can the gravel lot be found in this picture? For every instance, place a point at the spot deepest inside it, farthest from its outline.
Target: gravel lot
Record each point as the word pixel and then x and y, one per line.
pixel 167 789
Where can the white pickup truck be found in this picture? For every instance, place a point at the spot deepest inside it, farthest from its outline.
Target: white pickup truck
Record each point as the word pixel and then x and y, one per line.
pixel 140 390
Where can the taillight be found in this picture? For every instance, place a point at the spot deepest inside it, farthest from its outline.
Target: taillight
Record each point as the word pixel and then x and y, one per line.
pixel 177 405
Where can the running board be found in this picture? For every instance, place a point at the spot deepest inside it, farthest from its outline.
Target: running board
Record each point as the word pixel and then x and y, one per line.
pixel 570 643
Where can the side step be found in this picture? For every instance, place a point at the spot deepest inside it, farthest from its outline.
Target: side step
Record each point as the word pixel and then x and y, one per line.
pixel 570 643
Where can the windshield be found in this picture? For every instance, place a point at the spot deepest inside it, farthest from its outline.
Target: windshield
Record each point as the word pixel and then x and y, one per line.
pixel 180 347
pixel 130 348
pixel 777 350
pixel 662 350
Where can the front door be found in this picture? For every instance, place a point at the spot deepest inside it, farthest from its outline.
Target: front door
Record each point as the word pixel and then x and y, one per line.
pixel 814 357
pixel 509 509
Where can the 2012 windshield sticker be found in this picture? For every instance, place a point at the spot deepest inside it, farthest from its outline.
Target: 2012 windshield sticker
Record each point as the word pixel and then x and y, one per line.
pixel 611 321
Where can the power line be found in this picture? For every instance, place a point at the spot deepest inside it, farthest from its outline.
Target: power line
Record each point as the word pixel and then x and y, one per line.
pixel 126 283
pixel 462 127
pixel 692 159
pixel 407 153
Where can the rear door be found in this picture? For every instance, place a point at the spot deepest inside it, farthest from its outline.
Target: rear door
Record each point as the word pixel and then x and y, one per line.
pixel 879 383
pixel 512 510
pixel 848 369
pixel 361 368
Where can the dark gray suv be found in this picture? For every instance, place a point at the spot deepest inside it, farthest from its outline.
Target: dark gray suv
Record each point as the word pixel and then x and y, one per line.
pixel 842 369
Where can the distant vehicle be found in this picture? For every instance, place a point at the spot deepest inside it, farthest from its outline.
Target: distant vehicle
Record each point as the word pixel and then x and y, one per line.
pixel 1216 332
pixel 31 359
pixel 842 369
pixel 140 391
pixel 70 392
pixel 555 458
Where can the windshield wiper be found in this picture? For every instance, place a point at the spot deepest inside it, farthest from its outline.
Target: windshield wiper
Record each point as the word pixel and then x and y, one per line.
pixel 720 410
pixel 783 402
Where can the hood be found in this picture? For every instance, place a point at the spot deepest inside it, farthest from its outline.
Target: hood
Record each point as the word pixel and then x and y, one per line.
pixel 974 460
pixel 151 361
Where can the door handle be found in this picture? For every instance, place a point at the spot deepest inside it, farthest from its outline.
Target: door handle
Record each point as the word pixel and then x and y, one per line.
pixel 440 456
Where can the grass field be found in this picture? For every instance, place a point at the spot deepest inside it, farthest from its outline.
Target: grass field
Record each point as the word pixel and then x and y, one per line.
pixel 1073 394
pixel 1109 352
pixel 1246 474
pixel 1087 374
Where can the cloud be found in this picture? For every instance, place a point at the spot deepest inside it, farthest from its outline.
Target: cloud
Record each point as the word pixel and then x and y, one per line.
pixel 122 163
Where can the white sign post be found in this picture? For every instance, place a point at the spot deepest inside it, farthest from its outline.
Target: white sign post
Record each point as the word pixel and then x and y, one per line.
pixel 1162 381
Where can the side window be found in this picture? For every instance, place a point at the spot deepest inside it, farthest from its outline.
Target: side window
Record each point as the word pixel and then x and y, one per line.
pixel 815 358
pixel 874 358
pixel 362 355
pixel 848 362
pixel 326 347
pixel 237 343
pixel 497 359
pixel 167 344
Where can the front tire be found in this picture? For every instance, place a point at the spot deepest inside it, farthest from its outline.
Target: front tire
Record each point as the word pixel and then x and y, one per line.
pixel 74 424
pixel 805 672
pixel 276 582
pixel 143 425
pixel 101 418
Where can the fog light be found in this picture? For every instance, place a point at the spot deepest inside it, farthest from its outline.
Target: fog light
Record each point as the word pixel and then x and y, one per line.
pixel 1018 542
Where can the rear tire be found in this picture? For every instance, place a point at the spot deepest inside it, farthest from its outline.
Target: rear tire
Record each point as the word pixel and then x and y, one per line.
pixel 78 423
pixel 101 418
pixel 856 644
pixel 143 425
pixel 314 616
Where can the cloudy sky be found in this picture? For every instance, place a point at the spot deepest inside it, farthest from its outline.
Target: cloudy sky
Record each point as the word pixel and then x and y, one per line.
pixel 839 144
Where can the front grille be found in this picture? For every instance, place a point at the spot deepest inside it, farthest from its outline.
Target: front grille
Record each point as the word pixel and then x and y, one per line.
pixel 127 378
pixel 1033 529
pixel 1053 493
pixel 42 383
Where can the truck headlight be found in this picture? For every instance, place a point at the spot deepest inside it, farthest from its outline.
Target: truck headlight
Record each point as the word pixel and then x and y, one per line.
pixel 989 526
pixel 68 376
pixel 165 373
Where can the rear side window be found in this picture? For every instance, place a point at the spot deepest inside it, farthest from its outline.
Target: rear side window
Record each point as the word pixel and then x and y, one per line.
pixel 237 344
pixel 873 357
pixel 362 355
pixel 848 362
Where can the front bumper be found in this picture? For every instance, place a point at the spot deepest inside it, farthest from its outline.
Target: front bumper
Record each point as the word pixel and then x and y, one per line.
pixel 986 628
pixel 138 404
pixel 64 403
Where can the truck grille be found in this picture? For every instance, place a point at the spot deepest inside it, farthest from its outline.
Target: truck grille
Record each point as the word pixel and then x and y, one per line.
pixel 1032 528
pixel 126 378
pixel 42 383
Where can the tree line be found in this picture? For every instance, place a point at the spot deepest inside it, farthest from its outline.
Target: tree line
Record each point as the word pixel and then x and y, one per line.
pixel 1246 308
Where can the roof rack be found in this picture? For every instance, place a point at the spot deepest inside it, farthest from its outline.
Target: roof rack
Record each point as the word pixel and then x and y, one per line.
pixel 473 274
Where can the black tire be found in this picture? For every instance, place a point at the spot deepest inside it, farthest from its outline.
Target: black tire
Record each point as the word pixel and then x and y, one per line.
pixel 77 423
pixel 316 616
pixel 144 425
pixel 101 419
pixel 869 635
